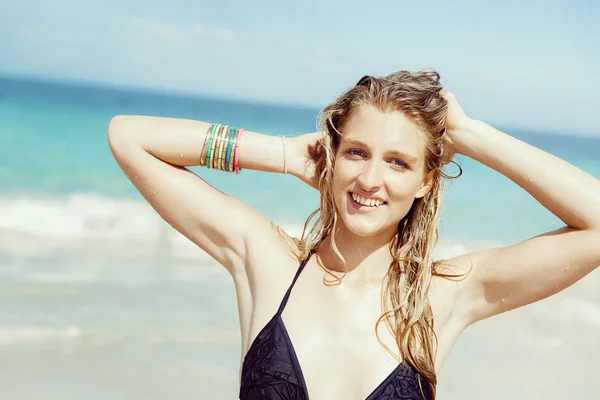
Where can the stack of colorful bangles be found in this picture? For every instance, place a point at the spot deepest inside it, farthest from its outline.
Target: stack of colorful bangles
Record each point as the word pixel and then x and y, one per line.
pixel 217 152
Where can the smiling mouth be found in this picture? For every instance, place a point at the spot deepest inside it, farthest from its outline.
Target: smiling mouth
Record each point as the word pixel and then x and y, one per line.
pixel 363 202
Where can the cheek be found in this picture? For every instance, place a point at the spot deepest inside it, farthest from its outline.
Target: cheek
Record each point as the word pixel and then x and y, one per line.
pixel 403 191
pixel 403 199
pixel 338 186
pixel 343 176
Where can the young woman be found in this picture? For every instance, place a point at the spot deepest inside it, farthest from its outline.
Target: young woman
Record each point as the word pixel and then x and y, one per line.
pixel 366 264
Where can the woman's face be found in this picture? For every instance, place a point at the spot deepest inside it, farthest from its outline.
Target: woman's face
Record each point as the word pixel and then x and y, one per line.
pixel 379 171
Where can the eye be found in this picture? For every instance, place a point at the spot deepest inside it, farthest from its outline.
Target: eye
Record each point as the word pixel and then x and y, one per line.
pixel 399 163
pixel 355 152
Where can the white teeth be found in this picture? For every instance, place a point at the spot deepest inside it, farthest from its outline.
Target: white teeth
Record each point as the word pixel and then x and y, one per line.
pixel 366 202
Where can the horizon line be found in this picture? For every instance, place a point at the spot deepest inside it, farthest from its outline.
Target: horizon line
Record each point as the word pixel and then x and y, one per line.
pixel 149 90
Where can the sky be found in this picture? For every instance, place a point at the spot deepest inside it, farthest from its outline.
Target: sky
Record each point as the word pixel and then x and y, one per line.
pixel 529 65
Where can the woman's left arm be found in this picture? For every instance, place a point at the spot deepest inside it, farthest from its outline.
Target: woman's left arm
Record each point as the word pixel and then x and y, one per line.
pixel 509 277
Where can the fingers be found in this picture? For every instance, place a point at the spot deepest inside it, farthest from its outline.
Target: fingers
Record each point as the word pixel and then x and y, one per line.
pixel 445 94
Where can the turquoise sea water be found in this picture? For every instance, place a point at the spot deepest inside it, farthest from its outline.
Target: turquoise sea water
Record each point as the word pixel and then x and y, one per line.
pixel 98 296
pixel 53 145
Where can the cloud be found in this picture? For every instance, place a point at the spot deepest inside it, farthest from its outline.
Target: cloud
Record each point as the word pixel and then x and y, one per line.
pixel 170 32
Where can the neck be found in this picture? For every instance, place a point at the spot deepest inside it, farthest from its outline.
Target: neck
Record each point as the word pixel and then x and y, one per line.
pixel 367 259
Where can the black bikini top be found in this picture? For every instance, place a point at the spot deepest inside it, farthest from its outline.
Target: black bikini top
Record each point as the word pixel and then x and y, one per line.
pixel 271 370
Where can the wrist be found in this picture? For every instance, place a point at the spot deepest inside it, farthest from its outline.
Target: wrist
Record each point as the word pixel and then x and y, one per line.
pixel 463 134
pixel 294 155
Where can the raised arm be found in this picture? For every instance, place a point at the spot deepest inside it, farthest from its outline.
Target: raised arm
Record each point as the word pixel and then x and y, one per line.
pixel 506 278
pixel 153 152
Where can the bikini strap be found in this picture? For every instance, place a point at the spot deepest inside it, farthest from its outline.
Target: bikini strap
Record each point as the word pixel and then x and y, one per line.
pixel 289 291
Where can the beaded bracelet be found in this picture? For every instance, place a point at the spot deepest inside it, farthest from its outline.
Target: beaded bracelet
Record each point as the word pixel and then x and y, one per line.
pixel 219 159
pixel 228 154
pixel 204 143
pixel 284 156
pixel 232 155
pixel 229 166
pixel 213 162
pixel 220 149
pixel 208 150
pixel 237 150
pixel 225 147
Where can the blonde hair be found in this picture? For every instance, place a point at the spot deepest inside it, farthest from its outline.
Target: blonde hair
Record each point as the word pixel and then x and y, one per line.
pixel 405 294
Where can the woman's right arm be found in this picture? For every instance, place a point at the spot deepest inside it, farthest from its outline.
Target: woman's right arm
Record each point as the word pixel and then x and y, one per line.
pixel 154 151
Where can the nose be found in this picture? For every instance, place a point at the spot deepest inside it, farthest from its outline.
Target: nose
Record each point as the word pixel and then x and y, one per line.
pixel 370 178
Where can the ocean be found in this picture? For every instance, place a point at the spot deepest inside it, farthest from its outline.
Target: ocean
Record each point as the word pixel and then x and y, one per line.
pixel 99 298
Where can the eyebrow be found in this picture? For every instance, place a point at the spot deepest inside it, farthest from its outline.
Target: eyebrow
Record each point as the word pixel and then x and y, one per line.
pixel 410 159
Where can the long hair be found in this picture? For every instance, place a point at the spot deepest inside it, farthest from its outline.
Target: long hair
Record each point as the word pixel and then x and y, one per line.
pixel 405 292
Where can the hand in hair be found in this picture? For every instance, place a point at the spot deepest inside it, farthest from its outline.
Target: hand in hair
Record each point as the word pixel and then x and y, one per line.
pixel 456 119
pixel 303 153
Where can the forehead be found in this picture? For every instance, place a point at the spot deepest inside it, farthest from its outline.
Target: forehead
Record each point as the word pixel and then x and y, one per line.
pixel 391 130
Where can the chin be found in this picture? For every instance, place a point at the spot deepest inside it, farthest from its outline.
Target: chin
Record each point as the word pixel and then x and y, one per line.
pixel 357 225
